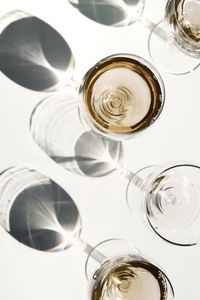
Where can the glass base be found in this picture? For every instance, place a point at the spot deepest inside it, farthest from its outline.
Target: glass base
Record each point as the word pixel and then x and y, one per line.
pixel 166 55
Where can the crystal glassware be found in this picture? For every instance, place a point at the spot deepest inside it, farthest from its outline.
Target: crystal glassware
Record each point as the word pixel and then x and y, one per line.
pixel 120 96
pixel 39 213
pixel 177 37
pixel 126 274
pixel 167 198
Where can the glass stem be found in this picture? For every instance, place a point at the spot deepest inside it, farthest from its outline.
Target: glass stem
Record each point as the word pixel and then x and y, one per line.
pixel 74 84
pixel 153 27
pixel 91 251
pixel 129 175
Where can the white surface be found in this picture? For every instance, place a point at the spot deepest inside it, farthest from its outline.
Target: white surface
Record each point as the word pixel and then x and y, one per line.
pixel 26 274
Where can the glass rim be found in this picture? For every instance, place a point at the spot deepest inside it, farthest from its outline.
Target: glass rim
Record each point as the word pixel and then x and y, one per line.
pixel 158 172
pixel 135 255
pixel 160 169
pixel 164 167
pixel 156 77
pixel 128 243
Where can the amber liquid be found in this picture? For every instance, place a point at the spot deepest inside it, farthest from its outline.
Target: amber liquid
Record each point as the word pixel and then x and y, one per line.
pixel 121 95
pixel 184 20
pixel 131 279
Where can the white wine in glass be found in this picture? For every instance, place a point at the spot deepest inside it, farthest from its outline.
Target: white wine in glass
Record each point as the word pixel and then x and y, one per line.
pixel 40 214
pixel 121 95
pixel 126 275
pixel 179 42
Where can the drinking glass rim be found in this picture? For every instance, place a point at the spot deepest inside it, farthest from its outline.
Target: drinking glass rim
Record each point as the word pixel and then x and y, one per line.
pixel 160 170
pixel 128 243
pixel 144 63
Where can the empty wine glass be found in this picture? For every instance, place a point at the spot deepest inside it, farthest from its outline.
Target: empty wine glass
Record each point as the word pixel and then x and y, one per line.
pixel 39 213
pixel 120 96
pixel 167 198
pixel 177 49
pixel 93 155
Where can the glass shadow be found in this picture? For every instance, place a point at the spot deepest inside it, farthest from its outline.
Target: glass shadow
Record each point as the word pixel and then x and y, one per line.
pixel 110 12
pixel 36 211
pixel 56 127
pixel 32 53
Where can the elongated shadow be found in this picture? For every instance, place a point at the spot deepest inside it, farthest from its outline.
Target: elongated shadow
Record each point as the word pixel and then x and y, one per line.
pixel 33 54
pixel 93 155
pixel 56 128
pixel 39 214
pixel 110 12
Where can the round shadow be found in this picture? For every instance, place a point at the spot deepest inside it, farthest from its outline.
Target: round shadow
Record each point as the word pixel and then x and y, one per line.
pixel 34 55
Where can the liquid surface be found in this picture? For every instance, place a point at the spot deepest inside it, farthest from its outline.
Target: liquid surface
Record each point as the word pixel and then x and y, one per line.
pixel 131 280
pixel 184 21
pixel 122 95
pixel 188 13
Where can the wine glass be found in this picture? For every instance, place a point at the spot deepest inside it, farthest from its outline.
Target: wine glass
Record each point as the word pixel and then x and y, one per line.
pixel 111 13
pixel 39 213
pixel 93 155
pixel 85 138
pixel 126 274
pixel 177 49
pixel 167 197
pixel 33 54
pixel 120 96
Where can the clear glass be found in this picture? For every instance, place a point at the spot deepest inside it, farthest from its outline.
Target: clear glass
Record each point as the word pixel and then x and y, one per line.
pixel 132 99
pixel 167 198
pixel 111 13
pixel 126 274
pixel 40 214
pixel 121 96
pixel 55 126
pixel 33 54
pixel 177 38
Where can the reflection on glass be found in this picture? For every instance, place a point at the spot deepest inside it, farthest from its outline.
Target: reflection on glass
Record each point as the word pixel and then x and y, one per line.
pixel 40 214
pixel 56 128
pixel 180 46
pixel 32 53
pixel 168 203
pixel 126 275
pixel 110 12
pixel 121 95
pixel 168 198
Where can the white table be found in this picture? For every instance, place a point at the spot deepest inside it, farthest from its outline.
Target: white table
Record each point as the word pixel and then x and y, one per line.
pixel 26 274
